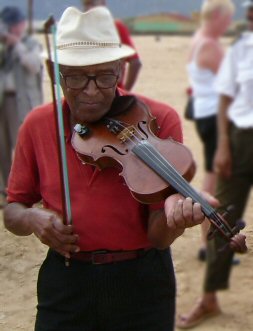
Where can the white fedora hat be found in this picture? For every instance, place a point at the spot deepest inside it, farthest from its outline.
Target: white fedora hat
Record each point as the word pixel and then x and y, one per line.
pixel 88 38
pixel 247 3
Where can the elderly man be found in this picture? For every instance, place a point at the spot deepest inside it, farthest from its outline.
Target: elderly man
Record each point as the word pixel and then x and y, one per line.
pixel 133 64
pixel 117 279
pixel 20 81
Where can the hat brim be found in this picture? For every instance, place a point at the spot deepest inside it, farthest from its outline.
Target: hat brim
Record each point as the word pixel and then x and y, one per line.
pixel 78 57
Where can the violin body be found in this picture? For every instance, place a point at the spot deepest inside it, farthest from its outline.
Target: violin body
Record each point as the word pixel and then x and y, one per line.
pixel 153 168
pixel 103 148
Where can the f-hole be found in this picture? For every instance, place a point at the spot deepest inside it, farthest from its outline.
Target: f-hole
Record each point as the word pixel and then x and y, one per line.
pixel 142 130
pixel 104 150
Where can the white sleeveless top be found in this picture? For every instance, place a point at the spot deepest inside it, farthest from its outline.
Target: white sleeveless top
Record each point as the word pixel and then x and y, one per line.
pixel 203 84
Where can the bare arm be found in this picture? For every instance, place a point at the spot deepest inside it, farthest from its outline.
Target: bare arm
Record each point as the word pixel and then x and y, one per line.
pixel 222 160
pixel 210 56
pixel 134 67
pixel 45 224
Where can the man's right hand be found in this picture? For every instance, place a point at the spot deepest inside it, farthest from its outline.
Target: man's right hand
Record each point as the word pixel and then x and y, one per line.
pixel 49 228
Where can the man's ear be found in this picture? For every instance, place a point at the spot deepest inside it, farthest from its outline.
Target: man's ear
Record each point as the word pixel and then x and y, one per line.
pixel 50 70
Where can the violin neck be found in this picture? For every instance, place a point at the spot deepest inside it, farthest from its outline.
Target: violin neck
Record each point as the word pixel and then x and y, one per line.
pixel 150 156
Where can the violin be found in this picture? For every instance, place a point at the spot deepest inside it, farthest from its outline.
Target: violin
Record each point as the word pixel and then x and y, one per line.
pixel 152 168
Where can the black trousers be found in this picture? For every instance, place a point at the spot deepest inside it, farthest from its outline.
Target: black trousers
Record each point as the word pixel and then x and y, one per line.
pixel 135 295
pixel 207 131
pixel 234 192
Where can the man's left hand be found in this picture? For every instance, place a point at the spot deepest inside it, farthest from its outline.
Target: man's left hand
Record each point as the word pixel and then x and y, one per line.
pixel 182 213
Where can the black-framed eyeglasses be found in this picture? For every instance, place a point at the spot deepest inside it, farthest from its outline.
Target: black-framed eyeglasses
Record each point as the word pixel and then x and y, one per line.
pixel 78 82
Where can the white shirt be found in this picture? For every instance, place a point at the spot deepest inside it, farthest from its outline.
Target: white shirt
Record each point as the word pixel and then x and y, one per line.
pixel 202 81
pixel 235 79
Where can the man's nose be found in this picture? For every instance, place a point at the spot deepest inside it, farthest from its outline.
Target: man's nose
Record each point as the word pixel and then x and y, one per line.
pixel 91 88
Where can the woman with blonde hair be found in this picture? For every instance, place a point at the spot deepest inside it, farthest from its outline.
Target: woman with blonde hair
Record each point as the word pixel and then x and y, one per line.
pixel 205 56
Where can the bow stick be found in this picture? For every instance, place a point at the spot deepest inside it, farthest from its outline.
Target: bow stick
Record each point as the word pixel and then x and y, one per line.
pixel 50 26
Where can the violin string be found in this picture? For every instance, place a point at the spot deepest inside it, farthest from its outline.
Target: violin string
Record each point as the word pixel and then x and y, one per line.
pixel 181 183
pixel 166 164
pixel 179 180
pixel 191 192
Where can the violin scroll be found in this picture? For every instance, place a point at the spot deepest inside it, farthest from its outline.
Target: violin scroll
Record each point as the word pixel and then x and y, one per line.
pixel 237 242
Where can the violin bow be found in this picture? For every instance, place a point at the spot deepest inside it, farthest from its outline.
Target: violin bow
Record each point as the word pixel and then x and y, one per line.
pixel 50 26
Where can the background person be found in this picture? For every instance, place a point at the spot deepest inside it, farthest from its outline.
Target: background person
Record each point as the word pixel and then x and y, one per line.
pixel 233 164
pixel 20 81
pixel 206 54
pixel 133 63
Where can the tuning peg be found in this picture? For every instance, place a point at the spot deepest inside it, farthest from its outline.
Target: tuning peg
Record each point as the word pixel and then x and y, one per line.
pixel 239 225
pixel 227 211
pixel 211 234
pixel 236 244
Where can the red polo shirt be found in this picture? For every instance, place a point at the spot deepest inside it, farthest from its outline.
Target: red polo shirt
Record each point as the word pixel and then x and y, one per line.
pixel 105 215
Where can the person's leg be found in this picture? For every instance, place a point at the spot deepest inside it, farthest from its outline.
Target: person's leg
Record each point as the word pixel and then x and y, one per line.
pixel 218 262
pixel 130 295
pixel 233 191
pixel 206 129
pixel 67 296
pixel 209 185
pixel 206 307
pixel 140 294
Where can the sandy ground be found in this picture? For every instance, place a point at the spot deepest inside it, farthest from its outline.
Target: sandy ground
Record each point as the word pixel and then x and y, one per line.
pixel 163 77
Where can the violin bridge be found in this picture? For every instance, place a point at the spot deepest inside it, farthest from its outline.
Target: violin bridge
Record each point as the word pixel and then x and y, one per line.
pixel 126 134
